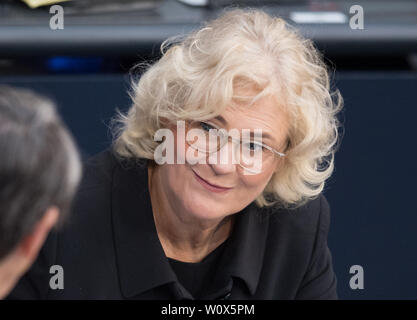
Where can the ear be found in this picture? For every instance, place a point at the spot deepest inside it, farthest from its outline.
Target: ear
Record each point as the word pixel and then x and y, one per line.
pixel 279 164
pixel 32 243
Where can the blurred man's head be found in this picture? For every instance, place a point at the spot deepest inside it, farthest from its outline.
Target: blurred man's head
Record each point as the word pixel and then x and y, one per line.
pixel 39 173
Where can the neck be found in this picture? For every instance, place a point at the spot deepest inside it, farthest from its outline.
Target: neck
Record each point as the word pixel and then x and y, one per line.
pixel 183 236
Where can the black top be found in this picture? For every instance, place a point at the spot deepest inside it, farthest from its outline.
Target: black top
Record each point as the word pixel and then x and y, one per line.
pixel 198 277
pixel 109 249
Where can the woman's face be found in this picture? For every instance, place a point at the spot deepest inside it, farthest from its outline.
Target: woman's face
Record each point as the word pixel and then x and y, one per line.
pixel 190 187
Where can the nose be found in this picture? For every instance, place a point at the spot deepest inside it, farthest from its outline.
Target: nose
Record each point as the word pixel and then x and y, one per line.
pixel 222 160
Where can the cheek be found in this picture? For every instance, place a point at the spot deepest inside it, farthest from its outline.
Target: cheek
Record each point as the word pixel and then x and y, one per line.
pixel 184 153
pixel 178 173
pixel 179 180
pixel 255 184
pixel 179 147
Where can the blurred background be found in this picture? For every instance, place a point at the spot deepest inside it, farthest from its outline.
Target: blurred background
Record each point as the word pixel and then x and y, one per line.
pixel 85 65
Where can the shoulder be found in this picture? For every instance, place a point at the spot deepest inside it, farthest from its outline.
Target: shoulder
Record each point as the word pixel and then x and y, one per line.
pixel 93 197
pixel 98 169
pixel 309 219
pixel 297 236
pixel 296 251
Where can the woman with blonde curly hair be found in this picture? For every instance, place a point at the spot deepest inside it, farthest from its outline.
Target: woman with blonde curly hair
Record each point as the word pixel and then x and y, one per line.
pixel 212 188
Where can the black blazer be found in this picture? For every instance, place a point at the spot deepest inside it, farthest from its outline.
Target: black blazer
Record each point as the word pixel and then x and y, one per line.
pixel 109 248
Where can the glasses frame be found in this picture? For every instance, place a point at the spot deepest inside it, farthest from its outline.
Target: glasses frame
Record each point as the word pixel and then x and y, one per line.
pixel 229 137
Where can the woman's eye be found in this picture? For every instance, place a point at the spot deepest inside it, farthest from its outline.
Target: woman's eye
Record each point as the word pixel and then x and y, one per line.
pixel 206 126
pixel 252 146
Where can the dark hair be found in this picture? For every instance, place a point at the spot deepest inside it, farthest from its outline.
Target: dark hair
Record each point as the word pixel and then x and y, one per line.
pixel 39 164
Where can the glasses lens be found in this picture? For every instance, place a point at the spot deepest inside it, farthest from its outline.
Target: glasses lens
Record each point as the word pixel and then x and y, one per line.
pixel 248 153
pixel 204 137
pixel 254 156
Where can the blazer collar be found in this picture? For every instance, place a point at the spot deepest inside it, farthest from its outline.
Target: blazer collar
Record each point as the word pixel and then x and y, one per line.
pixel 142 263
pixel 246 246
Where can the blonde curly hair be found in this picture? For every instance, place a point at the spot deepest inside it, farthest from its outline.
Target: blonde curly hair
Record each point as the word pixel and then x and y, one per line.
pixel 196 78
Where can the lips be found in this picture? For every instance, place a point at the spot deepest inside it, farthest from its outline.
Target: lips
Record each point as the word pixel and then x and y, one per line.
pixel 210 186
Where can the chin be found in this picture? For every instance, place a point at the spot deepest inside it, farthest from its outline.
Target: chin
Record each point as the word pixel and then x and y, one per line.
pixel 205 209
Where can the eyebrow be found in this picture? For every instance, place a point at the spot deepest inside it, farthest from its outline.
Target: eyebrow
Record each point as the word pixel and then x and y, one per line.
pixel 265 135
pixel 221 119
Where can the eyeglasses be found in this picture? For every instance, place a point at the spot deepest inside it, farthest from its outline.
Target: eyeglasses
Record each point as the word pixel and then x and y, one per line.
pixel 252 155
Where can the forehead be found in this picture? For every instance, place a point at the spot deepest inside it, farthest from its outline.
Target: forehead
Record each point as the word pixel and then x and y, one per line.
pixel 267 113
